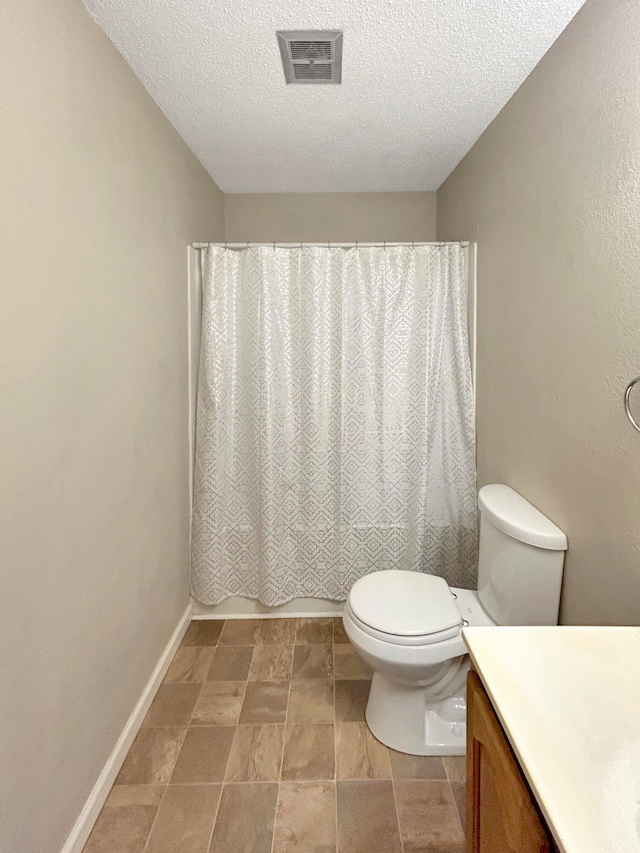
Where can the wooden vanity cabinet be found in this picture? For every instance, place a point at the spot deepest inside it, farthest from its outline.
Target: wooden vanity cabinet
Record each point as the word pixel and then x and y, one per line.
pixel 502 816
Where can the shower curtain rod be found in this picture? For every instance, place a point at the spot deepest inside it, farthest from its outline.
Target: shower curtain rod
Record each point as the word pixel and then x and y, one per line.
pixel 329 244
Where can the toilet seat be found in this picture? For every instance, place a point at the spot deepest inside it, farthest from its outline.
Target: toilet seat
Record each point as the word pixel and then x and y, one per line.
pixel 404 608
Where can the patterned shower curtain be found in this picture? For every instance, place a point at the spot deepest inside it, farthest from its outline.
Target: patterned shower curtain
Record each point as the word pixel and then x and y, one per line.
pixel 335 421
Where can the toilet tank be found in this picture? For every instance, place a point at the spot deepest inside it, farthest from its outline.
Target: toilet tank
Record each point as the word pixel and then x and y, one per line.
pixel 521 559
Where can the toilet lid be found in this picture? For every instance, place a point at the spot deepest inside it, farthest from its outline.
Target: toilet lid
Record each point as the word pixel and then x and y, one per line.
pixel 404 603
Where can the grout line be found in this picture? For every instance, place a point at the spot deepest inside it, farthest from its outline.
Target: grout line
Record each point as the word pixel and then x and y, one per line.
pixel 226 766
pixel 190 725
pixel 455 802
pixel 215 816
pixel 453 796
pixel 335 733
pixel 455 805
pixel 209 784
pixel 395 805
pixel 186 729
pixel 395 798
pixel 253 654
pixel 164 794
pixel 284 741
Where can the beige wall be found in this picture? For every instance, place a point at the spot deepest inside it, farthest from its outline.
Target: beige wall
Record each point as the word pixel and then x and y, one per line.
pixel 551 192
pixel 99 200
pixel 340 217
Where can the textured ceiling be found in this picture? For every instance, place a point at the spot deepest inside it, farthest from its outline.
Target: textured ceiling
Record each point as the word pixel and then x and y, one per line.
pixel 421 80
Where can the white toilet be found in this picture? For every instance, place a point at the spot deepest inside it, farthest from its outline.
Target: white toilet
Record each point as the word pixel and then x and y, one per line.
pixel 408 625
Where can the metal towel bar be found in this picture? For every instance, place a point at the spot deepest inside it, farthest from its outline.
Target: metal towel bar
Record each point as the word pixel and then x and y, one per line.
pixel 627 408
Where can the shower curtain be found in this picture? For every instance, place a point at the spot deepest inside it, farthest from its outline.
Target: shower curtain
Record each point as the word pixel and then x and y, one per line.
pixel 335 421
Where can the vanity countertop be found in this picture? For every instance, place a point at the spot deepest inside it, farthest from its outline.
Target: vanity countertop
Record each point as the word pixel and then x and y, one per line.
pixel 569 701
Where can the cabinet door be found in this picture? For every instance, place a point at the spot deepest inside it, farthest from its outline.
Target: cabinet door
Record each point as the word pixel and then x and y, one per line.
pixel 501 814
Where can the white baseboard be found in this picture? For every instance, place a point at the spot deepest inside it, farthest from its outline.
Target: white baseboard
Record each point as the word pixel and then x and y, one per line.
pixel 238 607
pixel 211 617
pixel 89 814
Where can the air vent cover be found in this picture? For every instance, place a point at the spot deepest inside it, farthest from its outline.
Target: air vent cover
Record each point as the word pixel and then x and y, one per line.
pixel 311 57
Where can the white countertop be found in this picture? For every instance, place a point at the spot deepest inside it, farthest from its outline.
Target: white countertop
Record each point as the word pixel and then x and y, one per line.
pixel 569 701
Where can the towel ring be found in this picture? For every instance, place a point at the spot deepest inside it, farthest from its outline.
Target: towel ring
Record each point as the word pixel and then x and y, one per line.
pixel 627 408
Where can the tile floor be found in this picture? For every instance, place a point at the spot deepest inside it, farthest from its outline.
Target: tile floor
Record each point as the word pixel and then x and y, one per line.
pixel 256 743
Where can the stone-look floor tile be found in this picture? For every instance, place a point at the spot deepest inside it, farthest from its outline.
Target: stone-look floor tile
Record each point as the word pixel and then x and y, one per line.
pixel 405 766
pixel 172 705
pixel 277 632
pixel 204 755
pixel 271 663
pixel 311 701
pixel 347 665
pixel 256 754
pixel 152 757
pixel 125 820
pixel 428 818
pixel 314 631
pixel 185 820
pixel 219 703
pixel 245 819
pixel 203 632
pixel 309 753
pixel 359 755
pixel 351 700
pixel 306 818
pixel 240 632
pixel 367 820
pixel 230 663
pixel 459 790
pixel 258 632
pixel 191 663
pixel 265 702
pixel 312 662
pixel 455 767
pixel 339 634
pixel 430 791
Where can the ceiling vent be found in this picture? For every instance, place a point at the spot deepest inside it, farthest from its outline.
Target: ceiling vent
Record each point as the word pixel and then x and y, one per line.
pixel 311 57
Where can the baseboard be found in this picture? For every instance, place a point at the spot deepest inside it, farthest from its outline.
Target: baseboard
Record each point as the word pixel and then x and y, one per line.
pixel 238 607
pixel 295 614
pixel 89 814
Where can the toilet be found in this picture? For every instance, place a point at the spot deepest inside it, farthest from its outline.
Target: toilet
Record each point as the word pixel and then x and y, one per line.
pixel 408 625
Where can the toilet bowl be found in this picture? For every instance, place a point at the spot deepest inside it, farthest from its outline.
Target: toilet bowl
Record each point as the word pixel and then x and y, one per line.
pixel 408 625
pixel 417 702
